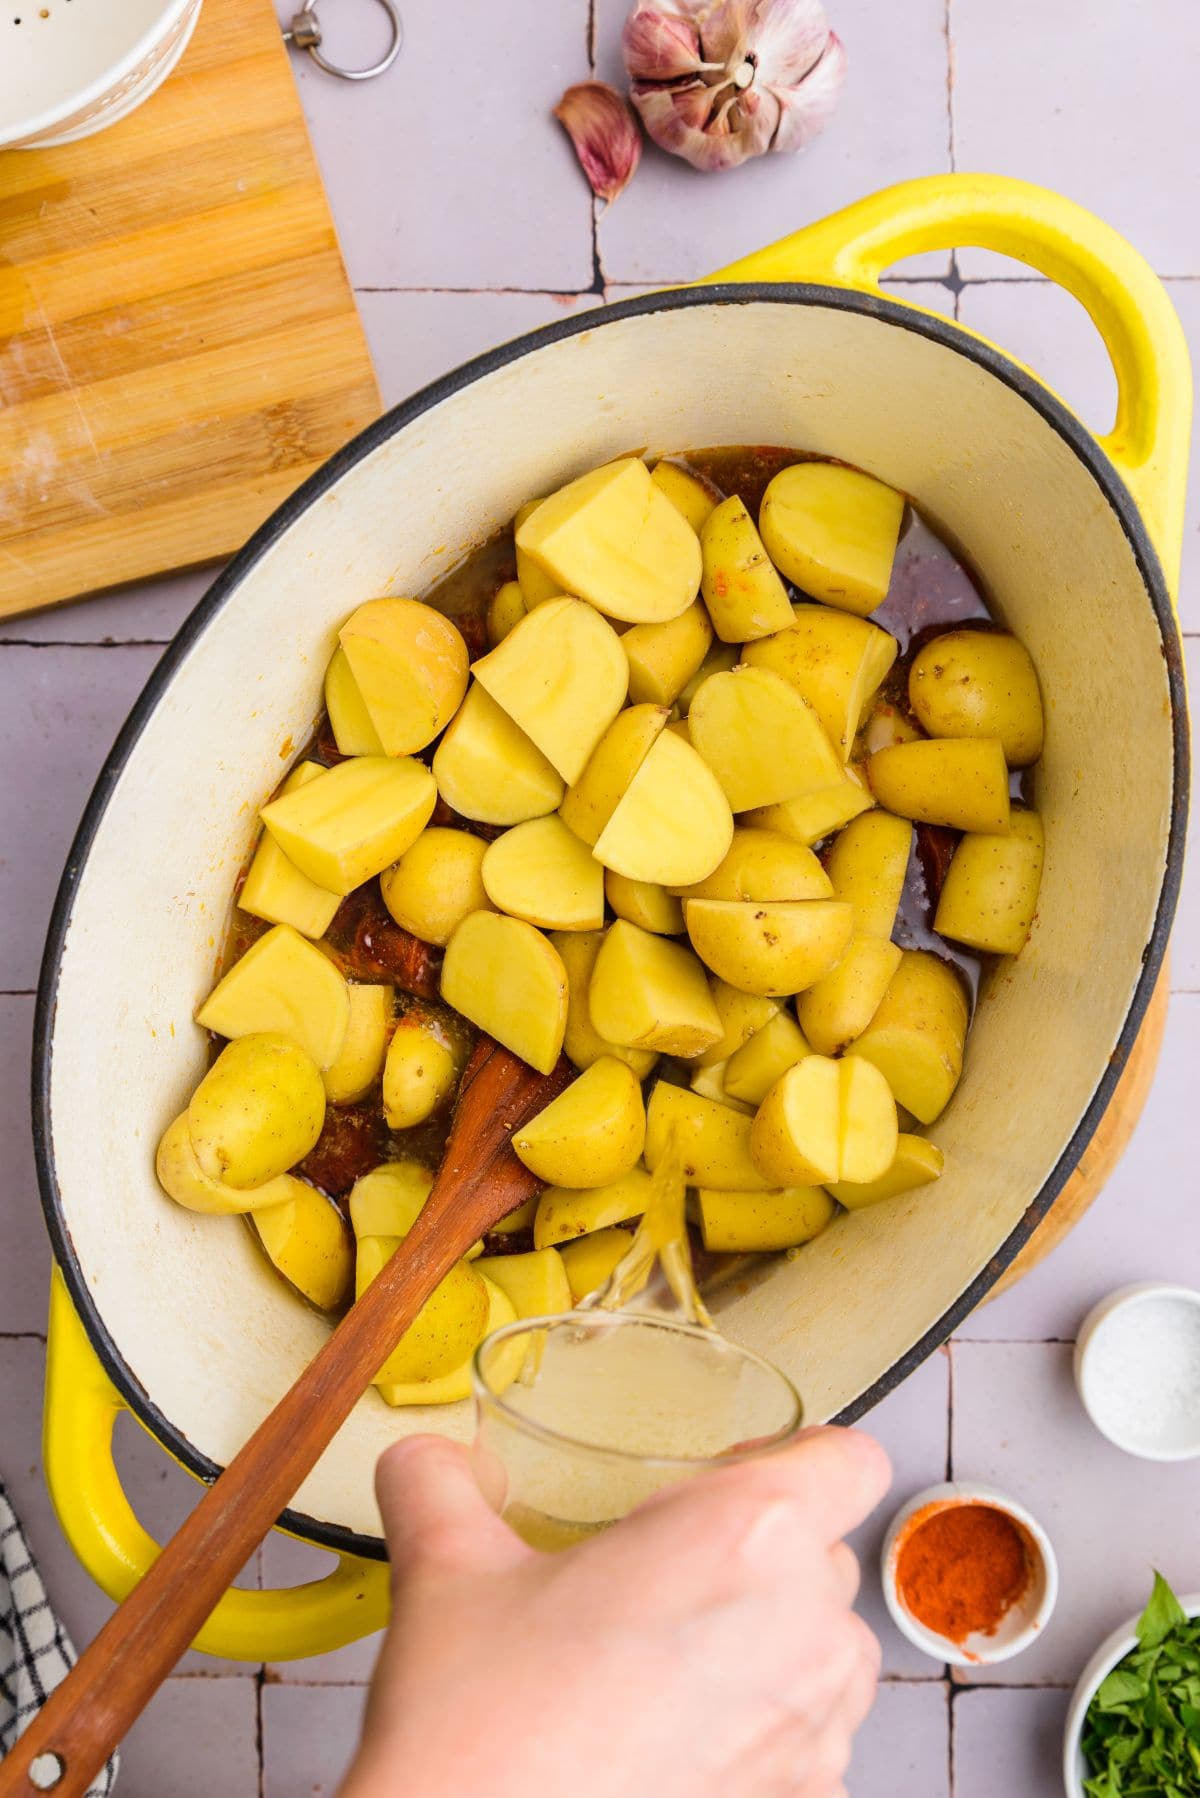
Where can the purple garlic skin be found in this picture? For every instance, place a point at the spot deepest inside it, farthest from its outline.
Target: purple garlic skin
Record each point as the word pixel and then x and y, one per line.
pixel 604 131
pixel 719 81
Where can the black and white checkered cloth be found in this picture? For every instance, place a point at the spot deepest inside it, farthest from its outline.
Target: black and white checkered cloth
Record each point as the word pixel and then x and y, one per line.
pixel 35 1650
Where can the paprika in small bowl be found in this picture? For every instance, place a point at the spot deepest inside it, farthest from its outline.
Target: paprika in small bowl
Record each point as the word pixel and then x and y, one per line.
pixel 968 1575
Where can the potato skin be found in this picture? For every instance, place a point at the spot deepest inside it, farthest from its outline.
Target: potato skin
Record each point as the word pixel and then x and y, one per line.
pixel 743 592
pixel 917 1036
pixel 990 895
pixel 436 883
pixel 836 661
pixel 566 1212
pixel 773 947
pixel 917 1162
pixel 833 531
pixel 960 782
pixel 590 802
pixel 592 1134
pixel 257 1111
pixel 756 1223
pixel 713 1139
pixel 867 864
pixel 764 864
pixel 842 1003
pixel 487 769
pixel 582 1042
pixel 980 684
pixel 309 1241
pixel 419 1072
pixel 644 903
pixel 184 1180
pixel 648 992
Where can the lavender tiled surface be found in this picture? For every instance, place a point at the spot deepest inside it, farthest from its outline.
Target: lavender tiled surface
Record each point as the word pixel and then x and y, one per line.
pixel 465 222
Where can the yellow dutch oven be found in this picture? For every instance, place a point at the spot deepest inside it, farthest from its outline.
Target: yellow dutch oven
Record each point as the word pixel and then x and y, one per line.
pixel 177 1317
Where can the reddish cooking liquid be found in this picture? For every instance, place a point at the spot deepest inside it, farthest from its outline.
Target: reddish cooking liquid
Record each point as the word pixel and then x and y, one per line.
pixel 932 590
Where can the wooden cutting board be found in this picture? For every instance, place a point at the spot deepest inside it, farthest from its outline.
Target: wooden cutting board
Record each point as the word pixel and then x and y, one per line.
pixel 179 345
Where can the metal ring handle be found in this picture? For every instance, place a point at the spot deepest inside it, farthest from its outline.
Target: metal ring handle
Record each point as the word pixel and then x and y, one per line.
pixel 305 33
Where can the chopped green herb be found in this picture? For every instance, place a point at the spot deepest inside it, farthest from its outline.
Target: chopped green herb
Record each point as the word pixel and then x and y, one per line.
pixel 1141 1735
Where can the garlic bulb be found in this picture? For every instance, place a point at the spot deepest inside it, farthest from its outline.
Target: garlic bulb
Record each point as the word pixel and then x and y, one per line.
pixel 718 81
pixel 605 134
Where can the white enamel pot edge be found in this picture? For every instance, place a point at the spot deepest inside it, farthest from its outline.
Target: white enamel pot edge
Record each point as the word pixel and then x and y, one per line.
pixel 831 331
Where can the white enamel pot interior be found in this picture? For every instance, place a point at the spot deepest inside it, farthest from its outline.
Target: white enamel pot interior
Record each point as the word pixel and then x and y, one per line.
pixel 192 1324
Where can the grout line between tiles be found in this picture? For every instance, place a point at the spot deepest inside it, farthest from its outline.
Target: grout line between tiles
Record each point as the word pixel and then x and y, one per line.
pixel 18 992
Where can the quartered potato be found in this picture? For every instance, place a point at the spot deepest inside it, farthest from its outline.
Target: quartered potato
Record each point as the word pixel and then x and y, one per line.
pixel 354 1070
pixel 535 1283
pixel 837 1008
pixel 674 824
pixel 644 903
pixel 867 864
pixel 687 491
pixel 282 986
pixel 663 657
pixel 720 658
pixel 961 782
pixel 825 1120
pixel 540 871
pixel 980 684
pixel 713 1139
pixel 561 675
pixel 836 661
pixel 614 538
pixel 709 1082
pixel 257 1111
pixel 564 1212
pixel 990 894
pixel 649 993
pixel 589 1261
pixel 536 585
pixel 592 1134
pixel 769 946
pixel 762 740
pixel 755 1223
pixel 436 883
pixel 833 531
pixel 349 719
pixel 506 608
pixel 917 1035
pixel 505 977
pixel 582 1042
pixel 743 592
pixel 763 864
pixel 419 1072
pixel 446 1330
pixel 309 1241
pixel 752 1070
pixel 487 769
pixel 590 803
pixel 388 1200
pixel 451 1388
pixel 355 821
pixel 916 1163
pixel 741 1014
pixel 274 887
pixel 184 1180
pixel 409 664
pixel 812 816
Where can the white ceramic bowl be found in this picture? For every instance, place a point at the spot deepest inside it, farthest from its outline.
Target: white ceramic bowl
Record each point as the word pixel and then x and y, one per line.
pixel 1027 1617
pixel 1137 1418
pixel 69 70
pixel 1114 1648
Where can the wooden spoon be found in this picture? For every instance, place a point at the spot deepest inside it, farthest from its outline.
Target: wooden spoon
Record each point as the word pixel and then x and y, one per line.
pixel 479 1182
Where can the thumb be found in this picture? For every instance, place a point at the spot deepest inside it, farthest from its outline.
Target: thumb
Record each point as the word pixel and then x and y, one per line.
pixel 434 1515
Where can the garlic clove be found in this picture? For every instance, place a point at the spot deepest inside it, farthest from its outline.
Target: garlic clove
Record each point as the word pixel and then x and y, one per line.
pixel 806 110
pixel 660 46
pixel 603 128
pixel 787 38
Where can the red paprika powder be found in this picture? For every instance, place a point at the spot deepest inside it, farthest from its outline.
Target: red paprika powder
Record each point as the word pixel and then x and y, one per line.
pixel 961 1568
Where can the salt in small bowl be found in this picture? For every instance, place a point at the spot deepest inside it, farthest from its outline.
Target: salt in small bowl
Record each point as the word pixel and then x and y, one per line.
pixel 1137 1369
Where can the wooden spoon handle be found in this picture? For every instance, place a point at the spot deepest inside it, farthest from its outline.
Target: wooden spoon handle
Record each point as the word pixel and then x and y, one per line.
pixel 480 1181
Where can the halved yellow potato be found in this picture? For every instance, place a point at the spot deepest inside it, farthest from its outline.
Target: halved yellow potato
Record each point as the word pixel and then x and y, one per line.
pixel 743 592
pixel 713 1139
pixel 282 986
pixel 516 1221
pixel 720 658
pixel 755 1223
pixel 257 1111
pixel 842 1003
pixel 709 1082
pixel 687 491
pixel 752 1070
pixel 540 871
pixel 663 657
pixel 592 1134
pixel 763 864
pixel 582 1042
pixel 561 675
pixel 917 1162
pixel 614 538
pixel 812 816
pixel 535 1283
pixel 761 738
pixel 917 1035
pixel 650 993
pixel 673 824
pixel 184 1180
pixel 504 976
pixel 958 781
pixel 419 1071
pixel 590 803
pixel 349 719
pixel 388 1200
pixel 564 1212
pixel 837 661
pixel 534 582
pixel 355 821
pixel 309 1242
pixel 451 1388
pixel 990 894
pixel 867 864
pixel 774 947
pixel 589 1260
pixel 868 1129
pixel 643 903
pixel 833 531
pixel 274 887
pixel 436 883
pixel 980 684
pixel 506 608
pixel 741 1014
pixel 794 1139
pixel 487 768
pixel 355 1068
pixel 446 1330
pixel 409 664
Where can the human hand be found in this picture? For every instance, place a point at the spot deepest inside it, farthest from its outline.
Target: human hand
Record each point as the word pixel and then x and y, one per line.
pixel 703 1647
